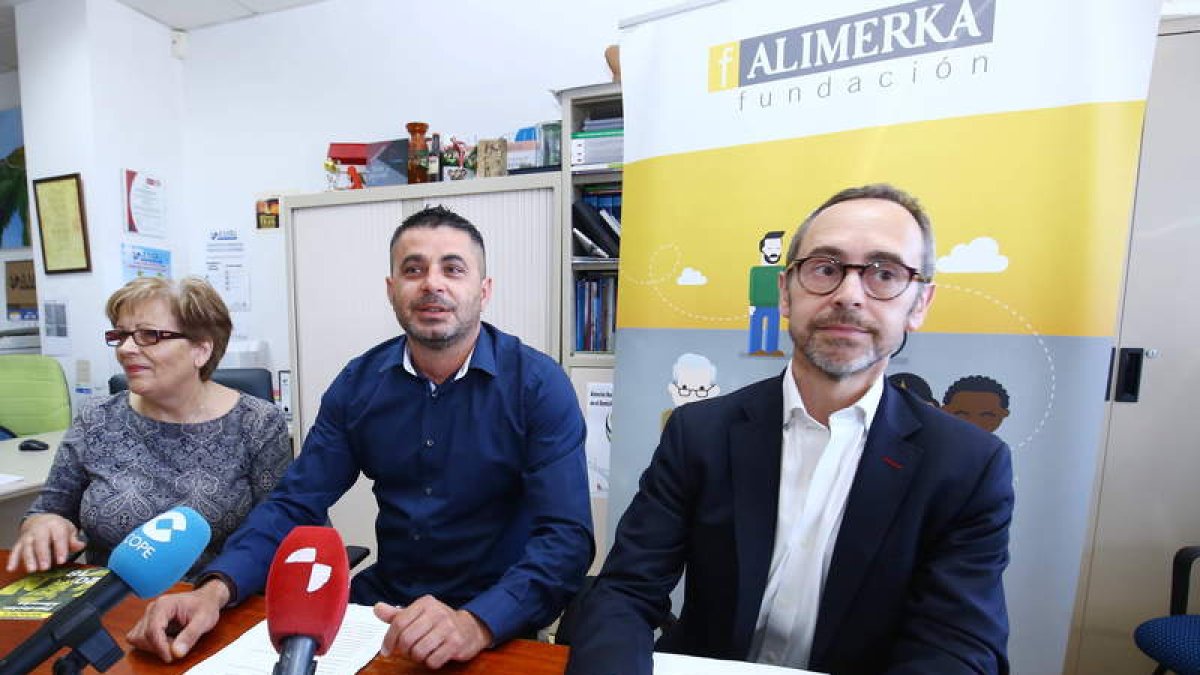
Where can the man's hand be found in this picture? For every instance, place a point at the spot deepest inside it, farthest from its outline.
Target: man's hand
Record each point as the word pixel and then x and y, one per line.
pixel 432 633
pixel 46 540
pixel 193 614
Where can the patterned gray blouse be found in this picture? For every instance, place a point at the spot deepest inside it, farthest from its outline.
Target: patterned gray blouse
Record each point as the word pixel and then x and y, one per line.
pixel 116 468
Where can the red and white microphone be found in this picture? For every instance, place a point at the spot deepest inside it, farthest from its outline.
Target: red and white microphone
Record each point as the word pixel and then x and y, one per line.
pixel 307 591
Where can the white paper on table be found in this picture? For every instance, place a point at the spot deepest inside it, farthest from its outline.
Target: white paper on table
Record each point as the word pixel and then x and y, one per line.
pixel 357 642
pixel 9 478
pixel 677 664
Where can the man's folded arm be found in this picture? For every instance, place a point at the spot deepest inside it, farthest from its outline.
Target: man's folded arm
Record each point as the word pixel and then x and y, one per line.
pixel 956 619
pixel 614 632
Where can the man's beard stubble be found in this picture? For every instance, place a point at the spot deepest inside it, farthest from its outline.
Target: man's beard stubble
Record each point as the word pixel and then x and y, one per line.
pixel 430 338
pixel 828 363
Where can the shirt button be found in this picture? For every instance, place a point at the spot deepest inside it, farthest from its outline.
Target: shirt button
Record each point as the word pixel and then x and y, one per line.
pixel 416 536
pixel 428 491
pixel 429 442
pixel 434 394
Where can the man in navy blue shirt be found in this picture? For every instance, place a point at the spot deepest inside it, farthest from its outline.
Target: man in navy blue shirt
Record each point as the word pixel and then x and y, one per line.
pixel 474 442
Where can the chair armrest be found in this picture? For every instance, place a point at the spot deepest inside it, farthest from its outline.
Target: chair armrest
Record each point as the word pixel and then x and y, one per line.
pixel 1181 573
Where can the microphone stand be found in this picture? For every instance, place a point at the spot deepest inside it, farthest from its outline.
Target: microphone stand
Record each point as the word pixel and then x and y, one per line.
pixel 76 625
pixel 297 656
pixel 98 650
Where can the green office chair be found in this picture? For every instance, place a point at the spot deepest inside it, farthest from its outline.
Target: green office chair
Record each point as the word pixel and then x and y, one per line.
pixel 34 397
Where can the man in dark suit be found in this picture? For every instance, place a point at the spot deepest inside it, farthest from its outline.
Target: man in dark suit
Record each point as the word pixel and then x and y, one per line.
pixel 826 519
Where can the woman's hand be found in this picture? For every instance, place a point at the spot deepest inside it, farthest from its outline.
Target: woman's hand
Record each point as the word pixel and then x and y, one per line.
pixel 46 540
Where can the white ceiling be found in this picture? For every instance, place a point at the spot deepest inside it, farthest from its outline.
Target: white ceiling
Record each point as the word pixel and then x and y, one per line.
pixel 192 14
pixel 177 14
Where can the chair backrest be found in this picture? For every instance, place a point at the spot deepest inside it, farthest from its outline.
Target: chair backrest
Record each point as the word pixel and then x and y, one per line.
pixel 253 381
pixel 34 397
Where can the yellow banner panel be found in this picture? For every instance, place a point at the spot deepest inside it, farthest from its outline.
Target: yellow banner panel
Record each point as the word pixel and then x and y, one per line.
pixel 1031 211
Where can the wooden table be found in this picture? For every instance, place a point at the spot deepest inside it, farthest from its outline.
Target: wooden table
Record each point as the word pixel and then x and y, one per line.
pixel 519 657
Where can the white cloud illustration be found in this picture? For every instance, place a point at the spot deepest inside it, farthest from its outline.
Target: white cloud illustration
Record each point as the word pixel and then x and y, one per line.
pixel 691 277
pixel 982 255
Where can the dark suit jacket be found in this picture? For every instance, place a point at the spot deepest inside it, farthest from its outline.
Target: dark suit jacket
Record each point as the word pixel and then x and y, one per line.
pixel 914 582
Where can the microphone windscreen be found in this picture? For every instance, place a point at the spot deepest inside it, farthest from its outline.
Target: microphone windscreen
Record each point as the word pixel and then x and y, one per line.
pixel 308 587
pixel 156 555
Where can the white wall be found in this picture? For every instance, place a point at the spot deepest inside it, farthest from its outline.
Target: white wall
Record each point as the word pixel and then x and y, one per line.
pixel 253 105
pixel 265 96
pixel 99 92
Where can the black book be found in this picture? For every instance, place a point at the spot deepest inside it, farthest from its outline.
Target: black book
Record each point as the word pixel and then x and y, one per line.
pixel 588 220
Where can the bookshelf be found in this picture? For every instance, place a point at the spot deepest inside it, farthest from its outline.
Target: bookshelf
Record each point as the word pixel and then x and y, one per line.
pixel 590 279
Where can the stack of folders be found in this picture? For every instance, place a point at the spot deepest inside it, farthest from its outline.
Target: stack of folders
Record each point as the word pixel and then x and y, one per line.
pixel 597 232
pixel 595 312
pixel 600 144
pixel 605 197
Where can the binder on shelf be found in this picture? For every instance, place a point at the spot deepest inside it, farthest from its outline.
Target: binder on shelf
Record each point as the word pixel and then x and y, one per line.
pixel 603 123
pixel 595 312
pixel 591 224
pixel 580 299
pixel 613 224
pixel 599 167
pixel 597 147
pixel 604 196
pixel 586 246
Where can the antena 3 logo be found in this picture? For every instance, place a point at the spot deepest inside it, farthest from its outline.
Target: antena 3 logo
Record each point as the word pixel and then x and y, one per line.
pixel 320 573
pixel 901 30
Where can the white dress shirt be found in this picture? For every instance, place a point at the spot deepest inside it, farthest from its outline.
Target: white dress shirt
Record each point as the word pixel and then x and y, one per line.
pixel 816 472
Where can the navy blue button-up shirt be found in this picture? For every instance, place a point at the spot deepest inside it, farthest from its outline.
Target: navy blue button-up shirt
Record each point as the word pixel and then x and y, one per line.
pixel 481 483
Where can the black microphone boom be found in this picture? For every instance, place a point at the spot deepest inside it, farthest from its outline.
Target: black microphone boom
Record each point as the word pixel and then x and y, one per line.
pixel 76 625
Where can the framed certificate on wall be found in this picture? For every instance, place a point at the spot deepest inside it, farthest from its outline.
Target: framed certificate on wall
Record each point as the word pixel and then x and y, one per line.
pixel 62 224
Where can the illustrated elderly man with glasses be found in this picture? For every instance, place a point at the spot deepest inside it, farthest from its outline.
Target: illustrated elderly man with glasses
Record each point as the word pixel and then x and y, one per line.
pixel 825 518
pixel 693 378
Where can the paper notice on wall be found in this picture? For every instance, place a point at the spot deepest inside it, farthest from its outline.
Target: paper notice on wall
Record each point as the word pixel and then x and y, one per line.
pixel 599 434
pixel 144 261
pixel 56 340
pixel 225 268
pixel 144 204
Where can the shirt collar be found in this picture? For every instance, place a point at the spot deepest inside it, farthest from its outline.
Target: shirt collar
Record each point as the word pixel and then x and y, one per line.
pixel 482 356
pixel 412 370
pixel 868 404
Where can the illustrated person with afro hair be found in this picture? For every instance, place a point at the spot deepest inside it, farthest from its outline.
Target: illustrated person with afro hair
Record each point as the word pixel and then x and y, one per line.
pixel 979 400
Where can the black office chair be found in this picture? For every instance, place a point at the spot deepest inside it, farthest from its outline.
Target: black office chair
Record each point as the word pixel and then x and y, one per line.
pixel 253 381
pixel 256 382
pixel 1174 641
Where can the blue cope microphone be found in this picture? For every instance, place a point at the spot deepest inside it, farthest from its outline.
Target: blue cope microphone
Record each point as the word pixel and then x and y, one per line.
pixel 147 562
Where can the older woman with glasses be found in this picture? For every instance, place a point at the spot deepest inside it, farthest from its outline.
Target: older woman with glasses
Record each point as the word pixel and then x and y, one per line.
pixel 174 438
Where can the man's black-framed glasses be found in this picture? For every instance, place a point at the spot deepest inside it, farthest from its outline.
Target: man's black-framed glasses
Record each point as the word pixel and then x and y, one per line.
pixel 685 391
pixel 881 279
pixel 143 337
